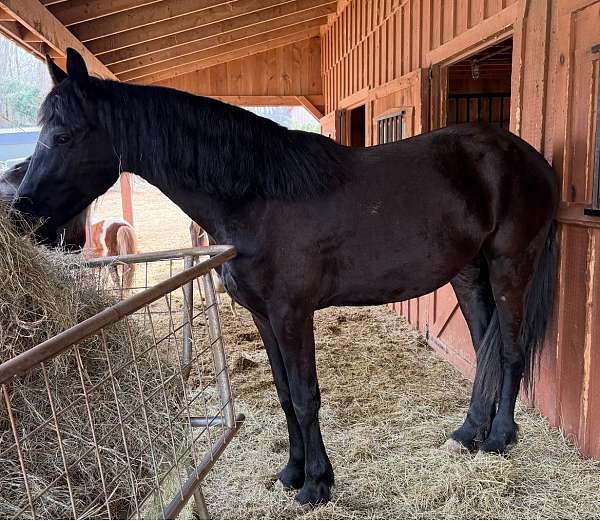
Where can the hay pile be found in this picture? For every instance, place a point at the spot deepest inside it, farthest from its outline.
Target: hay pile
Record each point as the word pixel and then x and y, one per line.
pixel 40 295
pixel 389 403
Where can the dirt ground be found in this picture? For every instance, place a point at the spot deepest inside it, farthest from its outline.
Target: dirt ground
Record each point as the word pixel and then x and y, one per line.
pixel 389 403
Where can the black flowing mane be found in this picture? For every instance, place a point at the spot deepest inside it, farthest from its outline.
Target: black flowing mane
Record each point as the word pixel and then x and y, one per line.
pixel 200 143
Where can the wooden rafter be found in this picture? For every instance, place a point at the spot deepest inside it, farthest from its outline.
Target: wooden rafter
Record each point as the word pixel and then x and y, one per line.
pixel 158 59
pixel 148 52
pixel 261 40
pixel 314 111
pixel 36 19
pixel 77 11
pixel 141 17
pixel 229 56
pixel 177 25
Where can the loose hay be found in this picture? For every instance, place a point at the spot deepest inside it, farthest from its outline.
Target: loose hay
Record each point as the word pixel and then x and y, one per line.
pixel 40 296
pixel 389 404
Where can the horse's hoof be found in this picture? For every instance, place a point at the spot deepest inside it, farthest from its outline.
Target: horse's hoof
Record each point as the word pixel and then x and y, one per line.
pixel 313 495
pixel 291 477
pixel 500 441
pixel 498 445
pixel 455 447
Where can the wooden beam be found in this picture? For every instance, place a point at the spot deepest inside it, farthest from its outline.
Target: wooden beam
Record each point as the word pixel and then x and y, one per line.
pixel 180 39
pixel 15 32
pixel 37 19
pixel 492 27
pixel 222 38
pixel 5 17
pixel 260 101
pixel 125 182
pixel 314 111
pixel 77 11
pixel 260 39
pixel 141 17
pixel 229 56
pixel 177 25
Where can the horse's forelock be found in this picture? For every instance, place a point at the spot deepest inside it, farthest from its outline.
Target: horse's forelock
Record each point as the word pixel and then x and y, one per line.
pixel 62 106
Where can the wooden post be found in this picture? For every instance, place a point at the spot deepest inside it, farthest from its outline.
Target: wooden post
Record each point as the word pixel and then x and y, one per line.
pixel 126 197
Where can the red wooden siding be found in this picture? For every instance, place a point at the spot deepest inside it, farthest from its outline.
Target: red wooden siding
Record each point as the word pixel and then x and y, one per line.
pixel 396 58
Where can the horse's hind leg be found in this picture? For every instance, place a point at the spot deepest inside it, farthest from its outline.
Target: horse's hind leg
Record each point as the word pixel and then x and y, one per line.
pixel 474 293
pixel 292 475
pixel 510 278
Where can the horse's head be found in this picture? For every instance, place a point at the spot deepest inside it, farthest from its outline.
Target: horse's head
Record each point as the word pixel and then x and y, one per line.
pixel 74 161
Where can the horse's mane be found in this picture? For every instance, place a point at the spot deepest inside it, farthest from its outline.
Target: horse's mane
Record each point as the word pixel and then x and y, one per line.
pixel 186 141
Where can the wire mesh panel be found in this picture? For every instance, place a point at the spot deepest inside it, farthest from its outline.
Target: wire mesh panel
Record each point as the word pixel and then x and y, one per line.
pixel 147 409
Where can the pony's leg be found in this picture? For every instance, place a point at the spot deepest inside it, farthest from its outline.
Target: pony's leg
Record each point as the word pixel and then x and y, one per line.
pixel 292 475
pixel 114 274
pixel 510 279
pixel 293 329
pixel 234 312
pixel 474 293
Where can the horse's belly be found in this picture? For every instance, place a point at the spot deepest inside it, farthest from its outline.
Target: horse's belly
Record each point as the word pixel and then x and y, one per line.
pixel 393 276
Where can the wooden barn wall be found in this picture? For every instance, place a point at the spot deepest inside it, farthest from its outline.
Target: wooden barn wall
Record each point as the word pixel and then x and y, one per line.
pixel 379 53
pixel 264 78
pixel 371 42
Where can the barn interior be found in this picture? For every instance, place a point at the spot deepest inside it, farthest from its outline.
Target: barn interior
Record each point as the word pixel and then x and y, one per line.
pixel 479 86
pixel 395 382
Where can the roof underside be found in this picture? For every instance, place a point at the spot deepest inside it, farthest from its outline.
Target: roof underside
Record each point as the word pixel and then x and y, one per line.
pixel 147 41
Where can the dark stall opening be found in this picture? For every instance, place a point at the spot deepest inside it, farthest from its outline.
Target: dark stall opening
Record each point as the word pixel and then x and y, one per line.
pixel 357 127
pixel 479 87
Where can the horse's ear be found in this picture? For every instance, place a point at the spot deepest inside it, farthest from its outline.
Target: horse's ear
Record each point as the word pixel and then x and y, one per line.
pixel 56 73
pixel 76 67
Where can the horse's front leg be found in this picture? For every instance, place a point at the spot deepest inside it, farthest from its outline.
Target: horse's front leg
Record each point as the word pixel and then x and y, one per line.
pixel 293 330
pixel 292 475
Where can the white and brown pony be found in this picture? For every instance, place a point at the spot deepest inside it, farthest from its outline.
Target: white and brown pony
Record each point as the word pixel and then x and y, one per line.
pixel 200 238
pixel 114 237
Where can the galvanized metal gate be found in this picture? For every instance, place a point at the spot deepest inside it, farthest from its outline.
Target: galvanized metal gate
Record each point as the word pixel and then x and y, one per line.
pixel 180 440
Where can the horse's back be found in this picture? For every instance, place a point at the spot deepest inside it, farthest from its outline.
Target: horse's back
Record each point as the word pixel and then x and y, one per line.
pixel 105 236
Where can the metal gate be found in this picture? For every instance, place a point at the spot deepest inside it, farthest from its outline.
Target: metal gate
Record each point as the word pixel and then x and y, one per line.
pixel 159 442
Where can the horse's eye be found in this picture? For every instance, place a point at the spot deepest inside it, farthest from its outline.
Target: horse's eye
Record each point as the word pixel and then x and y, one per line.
pixel 62 139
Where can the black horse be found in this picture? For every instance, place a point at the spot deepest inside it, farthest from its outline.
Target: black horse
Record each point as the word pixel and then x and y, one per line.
pixel 317 224
pixel 70 236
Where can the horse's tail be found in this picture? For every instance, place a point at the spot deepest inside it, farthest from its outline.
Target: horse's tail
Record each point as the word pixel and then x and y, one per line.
pixel 538 309
pixel 126 244
pixel 540 301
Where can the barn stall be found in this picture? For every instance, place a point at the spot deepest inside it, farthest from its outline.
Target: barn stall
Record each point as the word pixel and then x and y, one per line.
pixel 376 71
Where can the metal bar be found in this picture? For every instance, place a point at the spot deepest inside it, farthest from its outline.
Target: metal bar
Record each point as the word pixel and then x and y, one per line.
pixel 482 94
pixel 206 421
pixel 200 508
pixel 174 508
pixel 456 107
pixel 188 314
pixel 13 425
pixel 156 256
pixel 216 339
pixel 109 316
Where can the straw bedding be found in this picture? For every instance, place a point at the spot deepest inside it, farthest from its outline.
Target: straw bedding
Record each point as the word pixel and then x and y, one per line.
pixel 40 295
pixel 389 404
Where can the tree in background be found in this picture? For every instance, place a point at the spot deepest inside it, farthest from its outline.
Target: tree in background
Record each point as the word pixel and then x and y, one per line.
pixel 24 83
pixel 294 118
